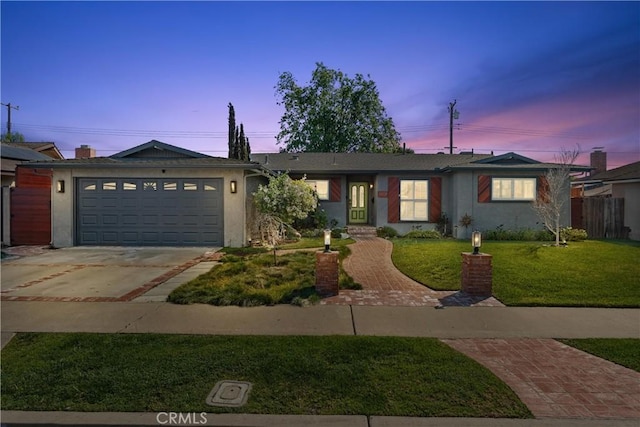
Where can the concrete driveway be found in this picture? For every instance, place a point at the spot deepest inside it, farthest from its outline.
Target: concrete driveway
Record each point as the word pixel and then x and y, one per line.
pixel 102 273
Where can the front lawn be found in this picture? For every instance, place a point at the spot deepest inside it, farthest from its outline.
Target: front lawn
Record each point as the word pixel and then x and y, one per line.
pixel 389 376
pixel 590 273
pixel 250 277
pixel 625 352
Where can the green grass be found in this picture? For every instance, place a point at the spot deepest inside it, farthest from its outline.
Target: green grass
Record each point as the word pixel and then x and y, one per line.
pixel 625 352
pixel 316 242
pixel 590 273
pixel 290 375
pixel 254 277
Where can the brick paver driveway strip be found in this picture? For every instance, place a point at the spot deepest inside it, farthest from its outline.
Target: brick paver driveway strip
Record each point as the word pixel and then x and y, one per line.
pixel 558 381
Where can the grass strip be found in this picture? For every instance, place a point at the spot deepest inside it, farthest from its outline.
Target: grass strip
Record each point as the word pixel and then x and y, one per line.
pixel 623 351
pixel 389 376
pixel 583 274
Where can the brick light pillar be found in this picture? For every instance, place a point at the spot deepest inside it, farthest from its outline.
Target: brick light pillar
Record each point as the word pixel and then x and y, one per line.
pixel 327 273
pixel 477 274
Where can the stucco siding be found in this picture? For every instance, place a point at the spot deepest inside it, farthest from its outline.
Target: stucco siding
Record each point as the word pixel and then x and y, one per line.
pixel 64 204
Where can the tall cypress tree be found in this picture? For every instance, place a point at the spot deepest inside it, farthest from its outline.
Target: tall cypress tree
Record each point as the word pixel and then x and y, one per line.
pixel 242 144
pixel 248 150
pixel 232 131
pixel 236 144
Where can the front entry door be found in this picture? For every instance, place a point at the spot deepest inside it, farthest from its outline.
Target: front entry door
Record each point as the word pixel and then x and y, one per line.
pixel 358 202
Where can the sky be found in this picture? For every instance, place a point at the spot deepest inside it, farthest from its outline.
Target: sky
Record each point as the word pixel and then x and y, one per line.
pixel 528 77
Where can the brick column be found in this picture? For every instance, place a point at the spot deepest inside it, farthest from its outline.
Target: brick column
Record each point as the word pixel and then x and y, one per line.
pixel 477 274
pixel 327 273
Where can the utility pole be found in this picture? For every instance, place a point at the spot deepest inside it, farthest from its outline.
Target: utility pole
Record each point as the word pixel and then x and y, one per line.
pixel 9 107
pixel 453 114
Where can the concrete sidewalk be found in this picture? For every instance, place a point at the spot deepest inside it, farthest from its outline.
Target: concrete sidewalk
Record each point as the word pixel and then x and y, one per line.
pixel 452 322
pixel 121 419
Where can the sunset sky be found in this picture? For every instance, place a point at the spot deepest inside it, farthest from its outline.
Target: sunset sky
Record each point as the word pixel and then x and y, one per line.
pixel 529 77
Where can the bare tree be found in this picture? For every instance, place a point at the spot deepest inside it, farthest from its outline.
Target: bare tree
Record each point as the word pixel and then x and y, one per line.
pixel 554 192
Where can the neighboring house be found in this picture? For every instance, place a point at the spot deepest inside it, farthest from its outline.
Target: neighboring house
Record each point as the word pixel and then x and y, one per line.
pixel 26 195
pixel 154 194
pixel 409 191
pixel 620 189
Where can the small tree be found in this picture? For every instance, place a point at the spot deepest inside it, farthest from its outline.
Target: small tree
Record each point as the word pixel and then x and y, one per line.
pixel 554 192
pixel 280 203
pixel 12 137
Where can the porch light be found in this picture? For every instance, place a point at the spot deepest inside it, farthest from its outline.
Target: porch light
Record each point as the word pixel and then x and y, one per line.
pixel 60 186
pixel 476 241
pixel 234 186
pixel 327 240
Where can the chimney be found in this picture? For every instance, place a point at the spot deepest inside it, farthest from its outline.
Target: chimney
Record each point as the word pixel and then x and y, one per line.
pixel 85 152
pixel 598 161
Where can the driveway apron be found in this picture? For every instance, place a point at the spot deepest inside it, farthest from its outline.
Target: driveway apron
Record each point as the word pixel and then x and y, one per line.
pixel 96 274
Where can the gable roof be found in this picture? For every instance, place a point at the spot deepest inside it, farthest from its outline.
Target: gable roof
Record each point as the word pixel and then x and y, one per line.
pixel 510 158
pixel 156 150
pixel 47 148
pixel 360 162
pixel 18 152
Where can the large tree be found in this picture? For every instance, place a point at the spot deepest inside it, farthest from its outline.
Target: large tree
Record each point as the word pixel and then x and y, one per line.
pixel 334 113
pixel 551 201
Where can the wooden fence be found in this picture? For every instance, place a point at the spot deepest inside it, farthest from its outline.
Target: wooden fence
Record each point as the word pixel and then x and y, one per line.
pixel 603 218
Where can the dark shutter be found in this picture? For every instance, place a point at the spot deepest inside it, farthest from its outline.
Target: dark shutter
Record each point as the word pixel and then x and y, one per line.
pixel 484 189
pixel 435 199
pixel 334 190
pixel 543 189
pixel 393 200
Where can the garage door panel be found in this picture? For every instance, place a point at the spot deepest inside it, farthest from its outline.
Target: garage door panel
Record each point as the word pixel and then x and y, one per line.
pixel 108 219
pixel 135 211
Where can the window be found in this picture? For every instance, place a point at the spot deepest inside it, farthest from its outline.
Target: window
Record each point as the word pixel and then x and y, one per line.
pixel 128 186
pixel 190 186
pixel 170 186
pixel 413 200
pixel 513 189
pixel 109 185
pixel 321 187
pixel 150 186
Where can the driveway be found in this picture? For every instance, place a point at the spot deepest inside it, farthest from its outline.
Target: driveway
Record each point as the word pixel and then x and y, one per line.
pixel 102 273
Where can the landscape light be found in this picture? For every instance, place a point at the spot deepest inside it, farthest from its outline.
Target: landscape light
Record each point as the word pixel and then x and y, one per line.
pixel 476 241
pixel 327 240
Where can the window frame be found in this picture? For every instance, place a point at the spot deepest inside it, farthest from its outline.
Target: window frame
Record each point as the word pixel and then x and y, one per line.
pixel 513 179
pixel 413 200
pixel 313 183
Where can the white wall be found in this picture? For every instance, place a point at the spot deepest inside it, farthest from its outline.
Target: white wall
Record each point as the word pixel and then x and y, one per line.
pixel 631 194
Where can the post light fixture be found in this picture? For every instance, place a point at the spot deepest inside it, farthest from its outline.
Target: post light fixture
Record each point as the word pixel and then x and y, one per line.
pixel 234 186
pixel 327 240
pixel 60 186
pixel 476 241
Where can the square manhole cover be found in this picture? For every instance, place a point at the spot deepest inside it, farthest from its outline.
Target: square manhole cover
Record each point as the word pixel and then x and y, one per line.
pixel 229 393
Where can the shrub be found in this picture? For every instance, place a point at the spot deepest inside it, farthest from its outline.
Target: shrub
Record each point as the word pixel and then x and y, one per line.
pixel 386 232
pixel 523 234
pixel 569 234
pixel 423 234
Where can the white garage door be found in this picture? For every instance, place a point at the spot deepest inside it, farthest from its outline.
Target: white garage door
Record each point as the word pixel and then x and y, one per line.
pixel 150 212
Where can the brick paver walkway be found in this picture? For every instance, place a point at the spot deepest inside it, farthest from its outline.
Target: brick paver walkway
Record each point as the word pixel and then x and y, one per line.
pixel 370 265
pixel 558 381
